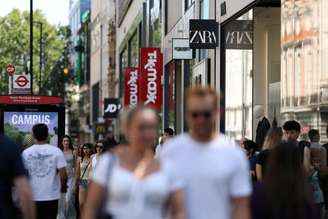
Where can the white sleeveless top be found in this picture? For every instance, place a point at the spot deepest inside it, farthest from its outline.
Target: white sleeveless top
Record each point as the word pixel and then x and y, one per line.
pixel 130 197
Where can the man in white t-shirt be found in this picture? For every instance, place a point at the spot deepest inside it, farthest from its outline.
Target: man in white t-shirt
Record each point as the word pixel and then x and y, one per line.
pixel 46 167
pixel 215 170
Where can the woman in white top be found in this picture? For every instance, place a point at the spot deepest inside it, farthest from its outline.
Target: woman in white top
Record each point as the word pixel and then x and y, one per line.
pixel 133 183
pixel 67 202
pixel 99 146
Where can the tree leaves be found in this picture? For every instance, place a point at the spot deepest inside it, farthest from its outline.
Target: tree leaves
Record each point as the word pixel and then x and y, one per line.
pixel 14 48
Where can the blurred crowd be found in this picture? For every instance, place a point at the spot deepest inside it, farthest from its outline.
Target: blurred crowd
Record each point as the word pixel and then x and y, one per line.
pixel 199 174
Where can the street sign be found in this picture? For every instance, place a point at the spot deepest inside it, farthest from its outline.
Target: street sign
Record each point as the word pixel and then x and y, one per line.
pixel 10 69
pixel 21 84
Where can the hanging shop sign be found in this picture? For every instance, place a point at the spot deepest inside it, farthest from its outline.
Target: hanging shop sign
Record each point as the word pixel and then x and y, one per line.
pixel 181 49
pixel 203 34
pixel 112 107
pixel 131 87
pixel 100 131
pixel 151 70
pixel 238 34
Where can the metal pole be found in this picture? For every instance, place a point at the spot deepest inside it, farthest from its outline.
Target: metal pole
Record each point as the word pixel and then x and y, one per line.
pixel 31 44
pixel 40 77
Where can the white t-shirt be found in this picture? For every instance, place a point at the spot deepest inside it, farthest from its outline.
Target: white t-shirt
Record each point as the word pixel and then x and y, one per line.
pixel 213 172
pixel 42 163
pixel 131 197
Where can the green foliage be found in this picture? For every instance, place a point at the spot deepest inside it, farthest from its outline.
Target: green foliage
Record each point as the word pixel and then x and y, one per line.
pixel 14 48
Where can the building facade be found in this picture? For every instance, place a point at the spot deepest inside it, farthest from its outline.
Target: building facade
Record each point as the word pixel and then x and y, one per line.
pixel 102 80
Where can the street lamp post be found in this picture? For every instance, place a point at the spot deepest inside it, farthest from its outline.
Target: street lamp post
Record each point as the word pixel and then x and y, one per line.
pixel 40 54
pixel 31 44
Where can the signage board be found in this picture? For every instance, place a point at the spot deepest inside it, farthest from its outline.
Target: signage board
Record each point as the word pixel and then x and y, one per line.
pixel 21 84
pixel 131 87
pixel 203 34
pixel 10 69
pixel 238 34
pixel 100 130
pixel 150 83
pixel 112 107
pixel 181 49
pixel 30 100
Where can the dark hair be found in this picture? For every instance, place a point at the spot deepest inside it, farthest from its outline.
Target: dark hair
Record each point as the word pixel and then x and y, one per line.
pixel 98 142
pixel 40 132
pixel 88 145
pixel 250 146
pixel 292 125
pixel 313 134
pixel 109 143
pixel 70 146
pixel 285 182
pixel 169 131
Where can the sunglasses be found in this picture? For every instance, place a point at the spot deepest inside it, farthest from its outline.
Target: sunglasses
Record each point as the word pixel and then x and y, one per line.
pixel 85 148
pixel 100 147
pixel 204 114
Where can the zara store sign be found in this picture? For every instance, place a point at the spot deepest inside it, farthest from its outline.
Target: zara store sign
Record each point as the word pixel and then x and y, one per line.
pixel 203 34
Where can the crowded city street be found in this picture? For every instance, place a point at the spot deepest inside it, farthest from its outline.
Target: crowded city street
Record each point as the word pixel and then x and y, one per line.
pixel 163 109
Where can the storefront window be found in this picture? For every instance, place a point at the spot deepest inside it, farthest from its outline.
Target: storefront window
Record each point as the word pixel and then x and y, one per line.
pixel 188 3
pixel 238 45
pixel 204 14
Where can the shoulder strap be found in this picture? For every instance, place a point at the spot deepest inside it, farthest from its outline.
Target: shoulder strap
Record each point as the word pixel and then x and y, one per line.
pixel 85 170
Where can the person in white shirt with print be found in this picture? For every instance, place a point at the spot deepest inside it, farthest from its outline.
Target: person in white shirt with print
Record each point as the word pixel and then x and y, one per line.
pixel 46 168
pixel 215 170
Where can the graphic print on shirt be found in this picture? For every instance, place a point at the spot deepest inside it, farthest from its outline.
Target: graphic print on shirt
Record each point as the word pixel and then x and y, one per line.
pixel 40 165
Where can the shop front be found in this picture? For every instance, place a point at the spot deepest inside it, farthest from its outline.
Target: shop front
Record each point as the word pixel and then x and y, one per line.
pixel 249 65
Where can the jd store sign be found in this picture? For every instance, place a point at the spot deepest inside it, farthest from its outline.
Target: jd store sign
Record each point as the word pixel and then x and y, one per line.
pixel 203 34
pixel 112 107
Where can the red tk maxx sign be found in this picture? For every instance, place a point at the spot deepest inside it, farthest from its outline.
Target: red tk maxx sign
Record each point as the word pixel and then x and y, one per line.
pixel 10 69
pixel 151 70
pixel 131 87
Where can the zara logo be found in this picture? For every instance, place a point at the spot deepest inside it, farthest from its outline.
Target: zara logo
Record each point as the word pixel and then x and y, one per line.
pixel 203 34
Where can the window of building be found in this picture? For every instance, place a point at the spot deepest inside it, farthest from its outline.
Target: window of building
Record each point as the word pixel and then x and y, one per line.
pixel 134 50
pixel 188 4
pixel 238 81
pixel 123 65
pixel 204 10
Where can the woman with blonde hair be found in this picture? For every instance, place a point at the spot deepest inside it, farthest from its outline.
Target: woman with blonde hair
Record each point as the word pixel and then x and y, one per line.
pixel 130 182
pixel 273 137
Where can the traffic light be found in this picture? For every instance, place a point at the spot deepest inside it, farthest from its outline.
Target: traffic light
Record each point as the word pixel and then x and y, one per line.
pixel 66 71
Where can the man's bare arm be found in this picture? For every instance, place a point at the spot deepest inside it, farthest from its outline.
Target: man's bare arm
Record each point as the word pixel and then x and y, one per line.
pixel 24 193
pixel 240 208
pixel 63 179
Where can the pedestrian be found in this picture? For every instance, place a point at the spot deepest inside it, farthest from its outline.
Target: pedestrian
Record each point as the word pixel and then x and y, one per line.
pixel 318 161
pixel 274 137
pixel 46 166
pixel 318 153
pixel 284 192
pixel 13 174
pixel 83 168
pixel 252 152
pixel 99 148
pixel 67 202
pixel 167 135
pixel 134 183
pixel 292 130
pixel 215 169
